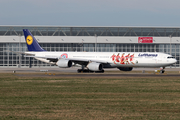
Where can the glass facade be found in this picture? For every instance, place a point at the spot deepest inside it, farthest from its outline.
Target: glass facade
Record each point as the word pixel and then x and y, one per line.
pixel 91 31
pixel 8 59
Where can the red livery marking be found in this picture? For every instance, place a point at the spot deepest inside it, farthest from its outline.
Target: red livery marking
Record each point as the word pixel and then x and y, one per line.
pixel 64 55
pixel 117 58
pixel 113 57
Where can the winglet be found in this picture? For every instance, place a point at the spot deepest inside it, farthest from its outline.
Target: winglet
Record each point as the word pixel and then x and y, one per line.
pixel 31 42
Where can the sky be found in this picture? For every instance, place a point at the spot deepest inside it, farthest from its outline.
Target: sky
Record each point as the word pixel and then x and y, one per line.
pixel 90 12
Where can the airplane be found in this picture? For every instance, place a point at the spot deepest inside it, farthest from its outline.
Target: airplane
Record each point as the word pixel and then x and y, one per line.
pixel 97 61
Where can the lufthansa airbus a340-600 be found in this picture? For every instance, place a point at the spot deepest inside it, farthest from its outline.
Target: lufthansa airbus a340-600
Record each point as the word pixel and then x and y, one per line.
pixel 97 61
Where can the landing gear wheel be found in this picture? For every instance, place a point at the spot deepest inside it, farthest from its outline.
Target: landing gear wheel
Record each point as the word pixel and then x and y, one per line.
pixel 79 70
pixel 102 71
pixel 84 71
pixel 162 71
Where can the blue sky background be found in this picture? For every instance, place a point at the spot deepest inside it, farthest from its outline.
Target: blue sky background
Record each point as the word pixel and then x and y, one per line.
pixel 90 12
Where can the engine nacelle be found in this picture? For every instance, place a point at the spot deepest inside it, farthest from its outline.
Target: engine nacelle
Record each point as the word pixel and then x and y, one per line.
pixel 64 63
pixel 125 68
pixel 95 66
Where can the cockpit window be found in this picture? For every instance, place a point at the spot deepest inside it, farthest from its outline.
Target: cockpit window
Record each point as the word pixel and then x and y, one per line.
pixel 170 57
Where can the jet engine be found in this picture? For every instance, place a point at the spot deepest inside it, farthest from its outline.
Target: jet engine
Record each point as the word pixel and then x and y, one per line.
pixel 64 63
pixel 125 68
pixel 95 66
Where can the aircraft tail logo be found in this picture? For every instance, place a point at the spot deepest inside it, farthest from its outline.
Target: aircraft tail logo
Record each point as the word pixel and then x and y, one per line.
pixel 31 42
pixel 29 39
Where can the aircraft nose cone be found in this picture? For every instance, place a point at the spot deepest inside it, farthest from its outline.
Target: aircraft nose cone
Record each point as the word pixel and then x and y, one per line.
pixel 174 61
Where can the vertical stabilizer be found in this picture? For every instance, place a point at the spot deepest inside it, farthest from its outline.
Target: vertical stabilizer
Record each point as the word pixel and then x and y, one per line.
pixel 31 42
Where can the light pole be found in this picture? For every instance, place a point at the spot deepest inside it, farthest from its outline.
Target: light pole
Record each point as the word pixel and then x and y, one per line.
pixel 170 44
pixel 19 51
pixel 96 43
pixel 82 45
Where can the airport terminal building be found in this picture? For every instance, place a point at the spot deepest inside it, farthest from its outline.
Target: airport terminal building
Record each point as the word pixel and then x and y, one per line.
pixel 87 39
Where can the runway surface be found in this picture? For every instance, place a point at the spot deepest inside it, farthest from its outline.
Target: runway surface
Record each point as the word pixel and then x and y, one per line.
pixel 96 75
pixel 72 72
pixel 72 69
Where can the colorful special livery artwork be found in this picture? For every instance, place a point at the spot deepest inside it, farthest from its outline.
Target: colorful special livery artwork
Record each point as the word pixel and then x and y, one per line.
pixel 64 55
pixel 123 59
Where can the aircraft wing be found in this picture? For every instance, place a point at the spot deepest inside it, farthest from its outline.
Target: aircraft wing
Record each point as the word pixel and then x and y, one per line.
pixel 55 59
pixel 85 60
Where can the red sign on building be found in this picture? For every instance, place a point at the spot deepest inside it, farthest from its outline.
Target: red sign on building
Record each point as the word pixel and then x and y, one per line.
pixel 145 39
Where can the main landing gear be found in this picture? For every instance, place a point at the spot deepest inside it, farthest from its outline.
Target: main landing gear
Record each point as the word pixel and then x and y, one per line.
pixel 83 70
pixel 88 71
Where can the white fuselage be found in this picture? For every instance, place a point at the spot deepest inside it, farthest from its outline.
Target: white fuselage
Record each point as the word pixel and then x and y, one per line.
pixel 125 59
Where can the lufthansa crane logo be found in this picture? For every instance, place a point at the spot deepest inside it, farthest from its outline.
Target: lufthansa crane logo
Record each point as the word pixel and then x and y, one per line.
pixel 29 39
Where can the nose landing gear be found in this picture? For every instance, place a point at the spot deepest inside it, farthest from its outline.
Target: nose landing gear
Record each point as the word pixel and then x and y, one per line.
pixel 162 70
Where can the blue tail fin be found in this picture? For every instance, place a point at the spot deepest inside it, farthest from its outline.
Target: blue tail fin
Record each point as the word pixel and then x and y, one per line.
pixel 31 42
